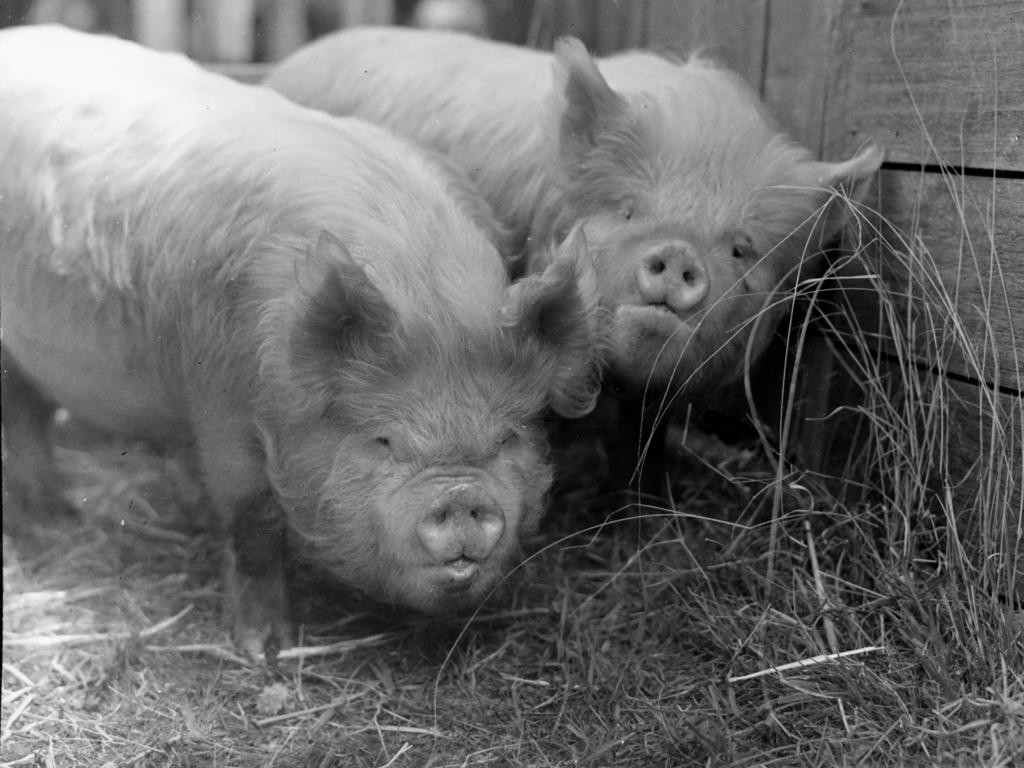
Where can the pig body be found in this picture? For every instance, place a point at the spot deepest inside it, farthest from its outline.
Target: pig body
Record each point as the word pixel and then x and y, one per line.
pixel 305 300
pixel 698 211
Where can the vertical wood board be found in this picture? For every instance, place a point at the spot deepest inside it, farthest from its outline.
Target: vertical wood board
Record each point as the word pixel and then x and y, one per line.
pixel 796 66
pixel 933 81
pixel 730 31
pixel 224 30
pixel 954 248
pixel 287 29
pixel 986 449
pixel 161 24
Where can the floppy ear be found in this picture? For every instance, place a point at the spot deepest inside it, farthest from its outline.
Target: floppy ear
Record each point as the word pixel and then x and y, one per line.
pixel 558 310
pixel 851 180
pixel 591 106
pixel 342 314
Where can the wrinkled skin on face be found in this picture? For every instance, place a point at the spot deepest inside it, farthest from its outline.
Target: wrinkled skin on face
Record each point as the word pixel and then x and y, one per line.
pixel 421 468
pixel 428 507
pixel 699 213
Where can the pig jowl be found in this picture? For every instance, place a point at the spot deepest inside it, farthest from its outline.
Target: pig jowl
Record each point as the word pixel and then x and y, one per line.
pixel 305 301
pixel 699 212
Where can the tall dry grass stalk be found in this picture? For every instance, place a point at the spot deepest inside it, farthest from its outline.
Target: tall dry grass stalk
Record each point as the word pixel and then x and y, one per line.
pixel 900 529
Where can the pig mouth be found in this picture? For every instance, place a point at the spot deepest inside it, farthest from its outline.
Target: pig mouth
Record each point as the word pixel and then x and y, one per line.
pixel 460 573
pixel 655 320
pixel 653 346
pixel 662 308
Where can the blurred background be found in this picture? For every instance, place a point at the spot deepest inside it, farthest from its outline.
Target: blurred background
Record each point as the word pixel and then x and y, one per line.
pixel 247 31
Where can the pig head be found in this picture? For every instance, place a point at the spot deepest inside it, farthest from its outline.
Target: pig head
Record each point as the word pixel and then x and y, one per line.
pixel 414 467
pixel 700 213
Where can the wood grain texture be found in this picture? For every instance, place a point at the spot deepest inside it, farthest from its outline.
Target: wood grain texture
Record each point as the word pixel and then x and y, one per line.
pixel 986 458
pixel 796 66
pixel 934 81
pixel 618 26
pixel 730 31
pixel 969 439
pixel 161 24
pixel 952 249
pixel 223 30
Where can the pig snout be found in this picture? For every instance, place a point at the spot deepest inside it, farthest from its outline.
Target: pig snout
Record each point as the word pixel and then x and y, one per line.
pixel 462 527
pixel 670 274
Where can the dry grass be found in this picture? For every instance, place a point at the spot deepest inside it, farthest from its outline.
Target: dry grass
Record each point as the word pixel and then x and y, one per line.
pixel 753 619
pixel 761 615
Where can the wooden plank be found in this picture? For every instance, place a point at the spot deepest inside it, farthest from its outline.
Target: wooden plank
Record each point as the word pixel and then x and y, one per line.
pixel 955 241
pixel 551 19
pixel 224 30
pixel 933 81
pixel 987 447
pixel 604 26
pixel 161 24
pixel 969 440
pixel 730 31
pixel 286 27
pixel 795 80
pixel 619 26
pixel 359 12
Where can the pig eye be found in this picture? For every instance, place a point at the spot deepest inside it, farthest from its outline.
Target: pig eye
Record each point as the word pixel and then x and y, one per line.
pixel 626 212
pixel 511 439
pixel 742 248
pixel 383 442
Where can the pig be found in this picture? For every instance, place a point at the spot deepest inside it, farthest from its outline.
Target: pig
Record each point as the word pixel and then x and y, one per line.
pixel 698 211
pixel 310 304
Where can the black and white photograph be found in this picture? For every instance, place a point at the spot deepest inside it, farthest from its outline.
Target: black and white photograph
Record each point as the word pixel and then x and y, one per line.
pixel 514 383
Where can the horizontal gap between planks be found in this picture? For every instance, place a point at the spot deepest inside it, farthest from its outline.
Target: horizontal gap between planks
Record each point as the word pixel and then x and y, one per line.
pixel 1003 389
pixel 956 170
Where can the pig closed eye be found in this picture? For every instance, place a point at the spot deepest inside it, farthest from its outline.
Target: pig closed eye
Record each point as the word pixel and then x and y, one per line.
pixel 510 440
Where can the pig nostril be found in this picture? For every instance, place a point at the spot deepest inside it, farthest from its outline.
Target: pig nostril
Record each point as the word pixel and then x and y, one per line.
pixel 656 267
pixel 463 527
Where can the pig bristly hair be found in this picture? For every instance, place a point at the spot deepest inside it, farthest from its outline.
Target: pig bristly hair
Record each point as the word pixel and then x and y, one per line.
pixel 349 348
pixel 270 213
pixel 706 148
pixel 415 393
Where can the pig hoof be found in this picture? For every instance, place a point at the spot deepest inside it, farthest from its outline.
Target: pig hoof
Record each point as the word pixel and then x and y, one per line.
pixel 259 643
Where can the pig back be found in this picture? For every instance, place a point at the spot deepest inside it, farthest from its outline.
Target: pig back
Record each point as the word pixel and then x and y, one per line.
pixel 491 98
pixel 154 209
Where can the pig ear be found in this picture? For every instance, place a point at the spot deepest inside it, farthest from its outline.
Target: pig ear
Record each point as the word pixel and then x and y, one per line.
pixel 342 313
pixel 852 179
pixel 558 308
pixel 854 176
pixel 591 106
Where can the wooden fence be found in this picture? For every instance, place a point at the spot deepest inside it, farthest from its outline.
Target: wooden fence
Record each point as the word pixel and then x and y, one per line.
pixel 938 83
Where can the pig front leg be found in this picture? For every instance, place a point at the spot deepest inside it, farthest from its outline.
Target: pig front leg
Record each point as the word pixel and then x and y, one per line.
pixel 255 577
pixel 254 560
pixel 31 492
